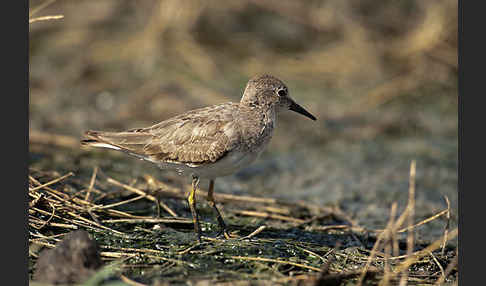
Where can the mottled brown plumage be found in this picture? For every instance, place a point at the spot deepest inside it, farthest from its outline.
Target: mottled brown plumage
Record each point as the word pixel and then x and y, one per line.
pixel 208 142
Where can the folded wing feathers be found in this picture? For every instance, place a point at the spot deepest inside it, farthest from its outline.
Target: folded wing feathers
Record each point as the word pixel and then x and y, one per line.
pixel 185 138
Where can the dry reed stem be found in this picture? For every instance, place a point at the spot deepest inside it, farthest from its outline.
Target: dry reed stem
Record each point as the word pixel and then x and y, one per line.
pixel 123 214
pixel 438 264
pixel 60 225
pixel 32 210
pixel 184 251
pixel 247 199
pixel 50 217
pixel 373 252
pixel 91 183
pixel 262 259
pixel 398 223
pixel 257 231
pixel 45 18
pixel 411 213
pixel 388 245
pixel 370 258
pixel 46 244
pixel 54 237
pixel 94 223
pixel 58 195
pixel 148 220
pixel 40 7
pixel 140 192
pixel 312 253
pixel 336 226
pixel 98 207
pixel 113 254
pixel 429 219
pixel 62 200
pixel 203 194
pixel 421 253
pixel 282 211
pixel 446 228
pixel 448 270
pixel 138 250
pixel 50 182
pixel 37 197
pixel 268 215
pixel 382 254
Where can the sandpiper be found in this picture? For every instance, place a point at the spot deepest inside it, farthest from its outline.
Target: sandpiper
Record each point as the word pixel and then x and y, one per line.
pixel 208 142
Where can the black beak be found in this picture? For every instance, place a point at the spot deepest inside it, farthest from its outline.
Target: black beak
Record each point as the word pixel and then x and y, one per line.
pixel 299 109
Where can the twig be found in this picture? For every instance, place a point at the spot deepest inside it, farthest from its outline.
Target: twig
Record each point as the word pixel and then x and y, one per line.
pixel 338 226
pixel 93 223
pixel 283 211
pixel 46 244
pixel 51 182
pixel 155 257
pixel 58 195
pixel 419 254
pixel 446 228
pixel 91 183
pixel 448 270
pixel 257 231
pixel 102 207
pixel 201 193
pixel 388 245
pixel 140 192
pixel 268 215
pixel 438 264
pixel 139 250
pixel 381 236
pixel 40 7
pixel 411 227
pixel 45 18
pixel 411 213
pixel 312 253
pixel 149 220
pixel 276 261
pixel 50 217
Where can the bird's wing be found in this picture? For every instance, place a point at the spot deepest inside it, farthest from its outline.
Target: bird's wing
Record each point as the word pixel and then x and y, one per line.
pixel 196 137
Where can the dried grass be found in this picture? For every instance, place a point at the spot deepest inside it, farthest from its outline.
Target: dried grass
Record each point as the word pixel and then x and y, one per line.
pixel 55 210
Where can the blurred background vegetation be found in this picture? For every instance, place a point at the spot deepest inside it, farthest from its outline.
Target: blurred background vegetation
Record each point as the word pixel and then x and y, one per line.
pixel 380 76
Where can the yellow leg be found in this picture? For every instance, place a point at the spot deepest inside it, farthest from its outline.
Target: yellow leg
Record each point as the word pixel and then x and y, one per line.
pixel 191 199
pixel 212 203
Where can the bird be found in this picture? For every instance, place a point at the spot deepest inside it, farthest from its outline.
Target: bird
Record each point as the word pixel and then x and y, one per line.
pixel 208 142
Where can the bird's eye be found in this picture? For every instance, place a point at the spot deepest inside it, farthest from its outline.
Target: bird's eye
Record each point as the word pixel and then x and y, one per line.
pixel 282 92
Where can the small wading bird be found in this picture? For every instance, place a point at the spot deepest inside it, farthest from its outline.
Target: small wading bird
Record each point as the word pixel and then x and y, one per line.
pixel 208 142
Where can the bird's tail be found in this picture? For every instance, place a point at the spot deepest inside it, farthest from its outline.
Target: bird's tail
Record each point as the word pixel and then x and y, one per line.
pixel 95 139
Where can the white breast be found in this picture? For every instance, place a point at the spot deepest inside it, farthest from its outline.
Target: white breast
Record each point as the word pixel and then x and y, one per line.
pixel 229 164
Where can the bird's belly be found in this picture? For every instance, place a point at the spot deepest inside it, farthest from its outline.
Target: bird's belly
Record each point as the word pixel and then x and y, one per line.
pixel 230 164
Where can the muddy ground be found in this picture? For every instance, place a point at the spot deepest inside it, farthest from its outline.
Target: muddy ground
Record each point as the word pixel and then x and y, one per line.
pixel 380 78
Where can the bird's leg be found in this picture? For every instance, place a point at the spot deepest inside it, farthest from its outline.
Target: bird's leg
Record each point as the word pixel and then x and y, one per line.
pixel 191 199
pixel 212 203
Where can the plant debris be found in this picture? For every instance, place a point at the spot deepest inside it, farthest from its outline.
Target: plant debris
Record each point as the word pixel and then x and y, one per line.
pixel 273 240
